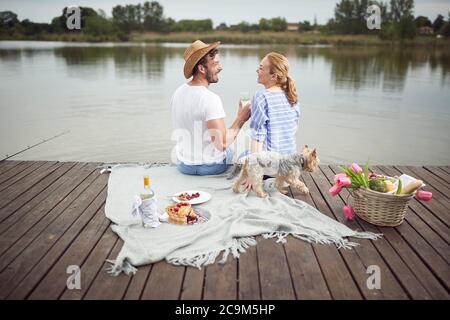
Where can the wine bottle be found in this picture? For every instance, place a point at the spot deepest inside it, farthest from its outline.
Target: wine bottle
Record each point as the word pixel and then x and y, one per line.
pixel 148 208
pixel 147 192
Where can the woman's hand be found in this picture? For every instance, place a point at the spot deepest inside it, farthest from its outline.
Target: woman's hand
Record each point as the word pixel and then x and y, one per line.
pixel 247 184
pixel 244 112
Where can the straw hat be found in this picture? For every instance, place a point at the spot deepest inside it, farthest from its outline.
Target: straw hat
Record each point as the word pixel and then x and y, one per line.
pixel 194 53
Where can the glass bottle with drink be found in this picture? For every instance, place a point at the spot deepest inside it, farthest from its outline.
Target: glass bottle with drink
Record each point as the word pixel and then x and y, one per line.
pixel 148 208
pixel 147 192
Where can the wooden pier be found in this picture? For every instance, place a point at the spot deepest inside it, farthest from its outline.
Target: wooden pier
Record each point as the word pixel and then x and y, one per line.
pixel 52 216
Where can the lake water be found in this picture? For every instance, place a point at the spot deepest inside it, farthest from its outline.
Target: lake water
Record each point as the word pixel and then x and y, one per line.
pixel 389 106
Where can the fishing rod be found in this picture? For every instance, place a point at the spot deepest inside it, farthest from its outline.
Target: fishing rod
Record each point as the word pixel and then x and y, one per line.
pixel 35 145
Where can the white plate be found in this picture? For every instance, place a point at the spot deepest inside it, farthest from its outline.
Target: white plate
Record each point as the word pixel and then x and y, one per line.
pixel 204 196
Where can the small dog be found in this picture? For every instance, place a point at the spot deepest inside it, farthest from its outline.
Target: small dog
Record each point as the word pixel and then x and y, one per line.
pixel 285 168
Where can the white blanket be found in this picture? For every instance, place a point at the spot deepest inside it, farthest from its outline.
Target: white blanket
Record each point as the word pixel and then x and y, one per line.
pixel 235 220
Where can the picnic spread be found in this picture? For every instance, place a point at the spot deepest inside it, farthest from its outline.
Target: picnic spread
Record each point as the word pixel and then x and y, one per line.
pixel 196 235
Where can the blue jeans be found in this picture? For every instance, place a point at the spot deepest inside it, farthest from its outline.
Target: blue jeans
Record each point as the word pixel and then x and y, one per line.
pixel 207 169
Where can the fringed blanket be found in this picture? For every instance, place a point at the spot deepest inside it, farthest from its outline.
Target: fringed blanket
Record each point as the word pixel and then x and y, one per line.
pixel 235 220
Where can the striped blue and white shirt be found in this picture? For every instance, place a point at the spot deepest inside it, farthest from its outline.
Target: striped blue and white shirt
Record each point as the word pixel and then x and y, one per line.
pixel 274 121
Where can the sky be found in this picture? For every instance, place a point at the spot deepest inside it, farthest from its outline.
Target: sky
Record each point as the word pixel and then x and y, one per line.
pixel 228 11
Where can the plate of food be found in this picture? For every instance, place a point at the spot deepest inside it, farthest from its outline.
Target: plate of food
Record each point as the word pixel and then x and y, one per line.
pixel 192 196
pixel 183 213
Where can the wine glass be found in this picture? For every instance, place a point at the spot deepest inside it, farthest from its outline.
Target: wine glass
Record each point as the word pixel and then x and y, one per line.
pixel 245 97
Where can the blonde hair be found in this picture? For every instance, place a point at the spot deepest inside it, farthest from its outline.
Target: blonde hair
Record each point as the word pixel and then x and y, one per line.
pixel 279 65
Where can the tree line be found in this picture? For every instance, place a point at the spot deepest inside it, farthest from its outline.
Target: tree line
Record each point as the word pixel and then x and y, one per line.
pixel 146 17
pixel 398 22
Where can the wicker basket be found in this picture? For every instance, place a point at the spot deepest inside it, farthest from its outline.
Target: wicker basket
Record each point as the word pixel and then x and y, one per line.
pixel 378 208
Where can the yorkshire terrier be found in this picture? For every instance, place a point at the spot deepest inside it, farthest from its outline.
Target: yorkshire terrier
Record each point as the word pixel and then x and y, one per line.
pixel 285 168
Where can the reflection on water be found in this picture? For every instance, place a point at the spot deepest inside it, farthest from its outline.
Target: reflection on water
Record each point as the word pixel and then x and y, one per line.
pixel 357 103
pixel 127 60
pixel 369 67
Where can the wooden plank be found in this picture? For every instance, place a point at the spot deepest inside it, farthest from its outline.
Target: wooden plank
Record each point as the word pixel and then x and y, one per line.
pixel 22 171
pixel 410 277
pixel 416 265
pixel 248 275
pixel 275 277
pixel 7 165
pixel 431 179
pixel 93 265
pixel 423 229
pixel 23 184
pixel 438 244
pixel 193 283
pixel 439 172
pixel 137 283
pixel 427 252
pixel 418 208
pixel 352 260
pixel 71 249
pixel 28 170
pixel 79 201
pixel 221 280
pixel 423 274
pixel 133 289
pixel 71 178
pixel 36 194
pixel 433 230
pixel 307 277
pixel 435 207
pixel 339 280
pixel 164 282
pixel 361 257
pixel 441 191
pixel 445 168
pixel 105 286
pixel 54 237
pixel 309 282
pixel 274 273
pixel 16 170
pixel 21 234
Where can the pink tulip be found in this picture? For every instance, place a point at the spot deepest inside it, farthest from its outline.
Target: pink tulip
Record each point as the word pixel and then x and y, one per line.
pixel 372 175
pixel 355 168
pixel 349 213
pixel 424 195
pixel 339 175
pixel 343 182
pixel 334 190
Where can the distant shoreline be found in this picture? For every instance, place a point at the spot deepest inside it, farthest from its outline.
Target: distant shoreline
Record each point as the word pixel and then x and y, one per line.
pixel 229 37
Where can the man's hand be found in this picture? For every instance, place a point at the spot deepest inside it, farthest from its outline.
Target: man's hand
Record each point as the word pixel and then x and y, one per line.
pixel 244 112
pixel 220 136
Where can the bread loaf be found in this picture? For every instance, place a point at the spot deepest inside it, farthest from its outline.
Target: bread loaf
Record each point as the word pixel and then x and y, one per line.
pixel 412 186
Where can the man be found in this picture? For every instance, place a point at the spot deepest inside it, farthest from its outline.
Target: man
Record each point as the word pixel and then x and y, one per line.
pixel 203 141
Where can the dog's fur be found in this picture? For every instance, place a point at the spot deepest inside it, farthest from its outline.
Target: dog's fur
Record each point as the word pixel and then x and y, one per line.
pixel 285 168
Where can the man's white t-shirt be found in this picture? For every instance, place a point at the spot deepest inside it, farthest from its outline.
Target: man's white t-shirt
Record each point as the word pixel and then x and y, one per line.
pixel 192 107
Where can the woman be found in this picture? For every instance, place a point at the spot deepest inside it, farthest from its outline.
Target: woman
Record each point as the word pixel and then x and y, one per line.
pixel 275 110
